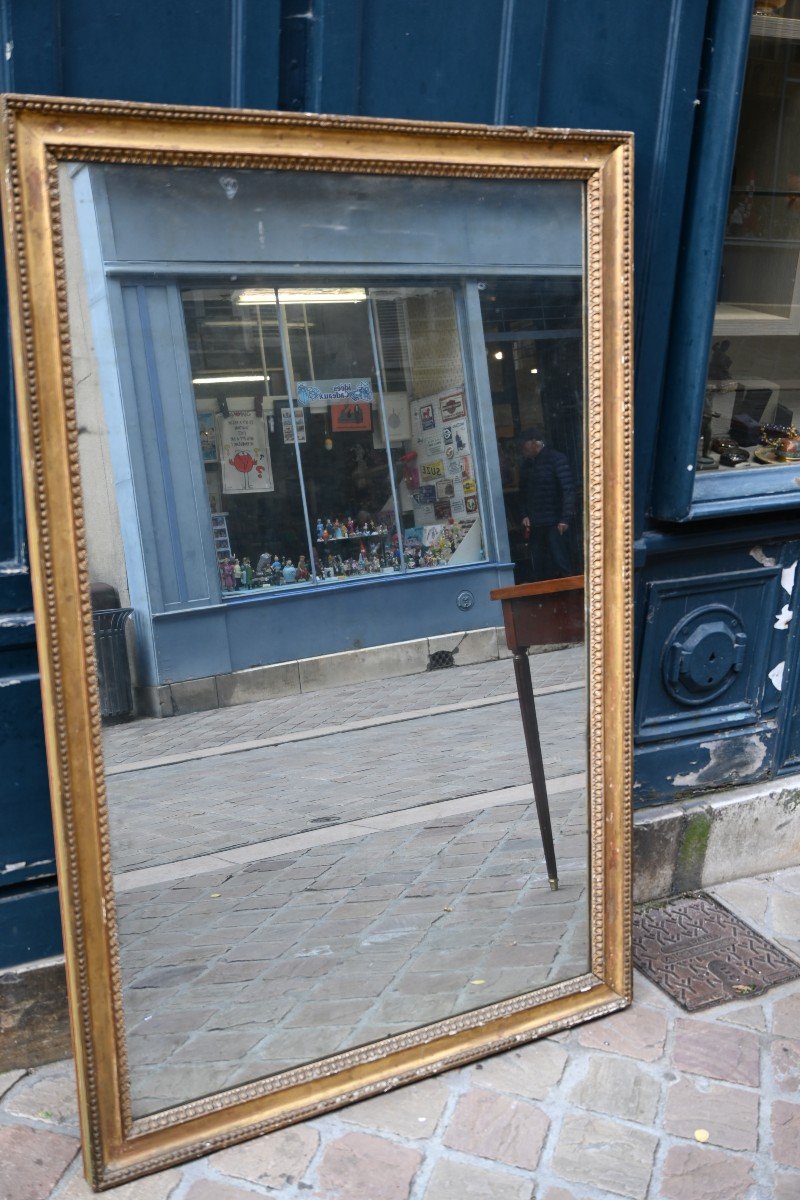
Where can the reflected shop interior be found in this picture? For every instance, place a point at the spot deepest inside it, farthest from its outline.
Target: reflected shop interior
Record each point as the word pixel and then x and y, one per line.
pixel 317 430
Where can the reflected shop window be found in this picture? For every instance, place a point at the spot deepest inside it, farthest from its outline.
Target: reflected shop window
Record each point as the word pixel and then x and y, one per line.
pixel 751 414
pixel 335 432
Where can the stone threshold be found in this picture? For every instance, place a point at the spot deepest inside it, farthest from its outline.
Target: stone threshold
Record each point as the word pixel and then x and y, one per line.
pixel 371 664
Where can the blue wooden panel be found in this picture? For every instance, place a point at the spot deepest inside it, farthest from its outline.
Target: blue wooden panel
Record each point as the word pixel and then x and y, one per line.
pixel 705 620
pixel 29 925
pixel 706 208
pixel 449 61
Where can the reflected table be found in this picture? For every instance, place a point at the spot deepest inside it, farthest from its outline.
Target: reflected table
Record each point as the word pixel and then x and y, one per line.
pixel 540 614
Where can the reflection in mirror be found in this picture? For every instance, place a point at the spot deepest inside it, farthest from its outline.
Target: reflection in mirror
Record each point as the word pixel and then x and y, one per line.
pixel 343 780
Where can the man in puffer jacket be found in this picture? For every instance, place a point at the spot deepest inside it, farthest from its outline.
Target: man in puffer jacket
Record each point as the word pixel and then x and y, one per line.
pixel 548 502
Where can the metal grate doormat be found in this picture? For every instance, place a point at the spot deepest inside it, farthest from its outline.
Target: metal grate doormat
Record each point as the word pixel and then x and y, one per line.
pixel 701 955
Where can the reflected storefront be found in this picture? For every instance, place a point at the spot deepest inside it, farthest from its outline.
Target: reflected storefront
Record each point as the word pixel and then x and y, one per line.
pixel 304 454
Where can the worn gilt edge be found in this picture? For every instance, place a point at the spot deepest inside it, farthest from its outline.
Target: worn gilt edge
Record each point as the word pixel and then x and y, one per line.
pixel 81 1016
pixel 597 649
pixel 627 566
pixel 113 1175
pixel 333 163
pixel 373 1051
pixel 192 113
pixel 98 767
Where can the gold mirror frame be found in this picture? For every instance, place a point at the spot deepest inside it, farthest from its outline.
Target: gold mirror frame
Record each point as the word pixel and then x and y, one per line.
pixel 39 134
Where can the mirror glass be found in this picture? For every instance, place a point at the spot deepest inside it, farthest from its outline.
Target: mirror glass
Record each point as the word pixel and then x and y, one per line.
pixel 323 416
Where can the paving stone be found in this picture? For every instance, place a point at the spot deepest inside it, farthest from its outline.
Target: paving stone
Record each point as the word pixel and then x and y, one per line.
pixel 491 1125
pixel 359 1165
pixel 749 1016
pixel 785 1186
pixel 730 1115
pixel 785 915
pixel 532 1071
pixel 411 1112
pixel 619 1088
pixel 152 1187
pixel 51 1098
pixel 33 1161
pixel 216 1189
pixel 703 1048
pixel 786 1064
pixel 277 1160
pixel 558 1193
pixel 786 1133
pixel 603 1154
pixel 461 1181
pixel 639 1032
pixel 700 1173
pixel 786 1016
pixel 8 1079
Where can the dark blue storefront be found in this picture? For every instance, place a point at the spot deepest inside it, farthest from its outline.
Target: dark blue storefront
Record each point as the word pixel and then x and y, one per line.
pixel 714 554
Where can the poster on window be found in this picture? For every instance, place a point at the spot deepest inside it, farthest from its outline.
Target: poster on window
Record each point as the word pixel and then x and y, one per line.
pixel 300 423
pixel 208 436
pixel 451 405
pixel 455 437
pixel 353 417
pixel 244 453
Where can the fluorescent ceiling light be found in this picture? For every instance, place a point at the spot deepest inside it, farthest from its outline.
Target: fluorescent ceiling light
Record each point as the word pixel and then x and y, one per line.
pixel 229 379
pixel 342 295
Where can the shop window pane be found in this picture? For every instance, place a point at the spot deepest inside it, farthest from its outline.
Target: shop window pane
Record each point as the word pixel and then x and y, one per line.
pixel 353 362
pixel 534 354
pixel 752 403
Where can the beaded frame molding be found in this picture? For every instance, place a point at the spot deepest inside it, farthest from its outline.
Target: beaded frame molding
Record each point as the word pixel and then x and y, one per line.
pixel 39 133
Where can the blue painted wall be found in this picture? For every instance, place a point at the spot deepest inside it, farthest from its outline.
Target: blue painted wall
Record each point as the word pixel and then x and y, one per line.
pixel 670 71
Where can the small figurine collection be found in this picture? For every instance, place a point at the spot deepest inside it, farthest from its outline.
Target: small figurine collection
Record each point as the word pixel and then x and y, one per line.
pixel 270 571
pixel 345 527
pixel 377 552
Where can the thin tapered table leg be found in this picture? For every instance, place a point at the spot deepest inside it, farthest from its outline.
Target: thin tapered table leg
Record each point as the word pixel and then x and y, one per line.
pixel 530 725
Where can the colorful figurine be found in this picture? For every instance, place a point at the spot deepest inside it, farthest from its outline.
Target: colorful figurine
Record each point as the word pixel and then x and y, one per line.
pixel 247 573
pixel 289 572
pixel 228 579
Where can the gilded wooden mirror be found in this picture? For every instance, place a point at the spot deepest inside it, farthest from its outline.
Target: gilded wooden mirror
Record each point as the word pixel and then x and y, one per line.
pixel 326 434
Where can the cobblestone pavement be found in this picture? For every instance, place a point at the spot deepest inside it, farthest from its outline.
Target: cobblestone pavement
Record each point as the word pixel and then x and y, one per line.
pixel 316 773
pixel 233 975
pixel 649 1104
pixel 393 841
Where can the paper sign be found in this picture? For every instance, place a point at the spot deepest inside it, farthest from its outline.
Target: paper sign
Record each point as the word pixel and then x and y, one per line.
pixel 431 470
pixel 244 453
pixel 300 422
pixel 334 391
pixel 452 406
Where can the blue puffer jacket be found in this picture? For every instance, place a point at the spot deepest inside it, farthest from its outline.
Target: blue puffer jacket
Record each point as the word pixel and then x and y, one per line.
pixel 546 487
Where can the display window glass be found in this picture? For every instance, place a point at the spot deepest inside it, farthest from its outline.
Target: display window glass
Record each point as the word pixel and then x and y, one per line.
pixel 751 413
pixel 534 354
pixel 335 431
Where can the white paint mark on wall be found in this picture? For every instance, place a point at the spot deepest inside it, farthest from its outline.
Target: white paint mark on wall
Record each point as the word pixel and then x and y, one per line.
pixel 787 578
pixel 783 618
pixel 776 675
pixel 726 757
pixel 758 554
